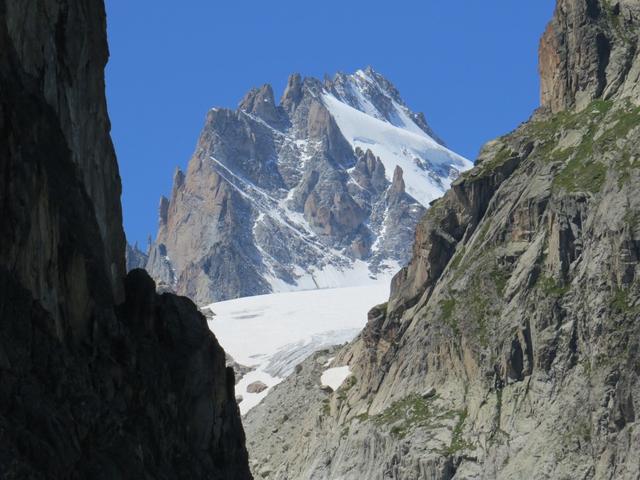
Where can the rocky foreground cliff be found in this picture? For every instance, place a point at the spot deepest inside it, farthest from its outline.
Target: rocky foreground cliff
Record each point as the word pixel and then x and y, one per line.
pixel 322 189
pixel 100 377
pixel 509 346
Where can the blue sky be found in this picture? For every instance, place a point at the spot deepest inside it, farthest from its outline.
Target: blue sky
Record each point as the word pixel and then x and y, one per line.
pixel 470 66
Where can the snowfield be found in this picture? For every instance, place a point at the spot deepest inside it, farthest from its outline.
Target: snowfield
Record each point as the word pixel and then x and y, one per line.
pixel 273 333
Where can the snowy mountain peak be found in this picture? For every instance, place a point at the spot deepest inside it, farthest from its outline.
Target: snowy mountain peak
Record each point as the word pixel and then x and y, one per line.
pixel 321 190
pixel 370 92
pixel 371 115
pixel 369 83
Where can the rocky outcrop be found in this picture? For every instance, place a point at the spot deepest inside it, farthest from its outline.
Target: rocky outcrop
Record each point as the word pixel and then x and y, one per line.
pixel 73 91
pixel 134 257
pixel 276 198
pixel 44 255
pixel 239 370
pixel 590 50
pixel 256 387
pixel 517 313
pixel 101 377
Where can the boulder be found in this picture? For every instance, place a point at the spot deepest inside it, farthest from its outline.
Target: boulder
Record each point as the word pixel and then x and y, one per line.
pixel 256 387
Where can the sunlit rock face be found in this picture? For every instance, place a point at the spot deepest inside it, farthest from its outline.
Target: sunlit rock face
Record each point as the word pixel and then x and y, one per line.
pixel 508 347
pixel 323 189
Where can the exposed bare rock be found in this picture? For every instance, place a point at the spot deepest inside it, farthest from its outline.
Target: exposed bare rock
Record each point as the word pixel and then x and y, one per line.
pixel 429 393
pixel 508 348
pixel 71 94
pixel 369 172
pixel 256 387
pixel 590 50
pixel 135 258
pixel 239 370
pixel 160 267
pixel 101 377
pixel 293 93
pixel 261 103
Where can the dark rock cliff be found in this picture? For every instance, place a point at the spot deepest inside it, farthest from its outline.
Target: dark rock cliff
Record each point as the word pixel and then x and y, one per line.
pixel 100 376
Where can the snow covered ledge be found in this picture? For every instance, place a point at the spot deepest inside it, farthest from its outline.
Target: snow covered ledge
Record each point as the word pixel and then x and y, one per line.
pixel 334 377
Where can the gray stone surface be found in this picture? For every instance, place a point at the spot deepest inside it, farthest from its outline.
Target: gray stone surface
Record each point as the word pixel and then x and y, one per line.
pixel 590 50
pixel 256 387
pixel 520 307
pixel 134 257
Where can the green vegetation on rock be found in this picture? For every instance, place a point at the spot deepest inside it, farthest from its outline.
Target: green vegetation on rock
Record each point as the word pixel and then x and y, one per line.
pixel 499 159
pixel 632 219
pixel 621 301
pixel 410 412
pixel 624 166
pixel 457 258
pixel 500 278
pixel 447 308
pixel 581 175
pixel 345 387
pixel 326 407
pixel 458 443
pixel 623 121
pixel 551 287
pixel 584 169
pixel 383 307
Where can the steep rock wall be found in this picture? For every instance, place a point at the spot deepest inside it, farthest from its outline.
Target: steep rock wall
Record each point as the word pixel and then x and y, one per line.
pixel 101 377
pixel 508 348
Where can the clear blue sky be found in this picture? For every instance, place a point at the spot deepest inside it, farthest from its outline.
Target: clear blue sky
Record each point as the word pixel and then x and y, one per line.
pixel 470 66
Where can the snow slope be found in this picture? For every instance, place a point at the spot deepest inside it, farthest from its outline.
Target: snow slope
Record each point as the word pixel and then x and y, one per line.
pixel 426 164
pixel 273 333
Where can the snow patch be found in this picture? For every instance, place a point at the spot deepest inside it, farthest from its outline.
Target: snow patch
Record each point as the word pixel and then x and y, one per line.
pixel 250 400
pixel 334 377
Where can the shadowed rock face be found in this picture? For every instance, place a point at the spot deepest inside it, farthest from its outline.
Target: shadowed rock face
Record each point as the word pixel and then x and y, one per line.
pixel 101 377
pixel 509 346
pixel 135 258
pixel 62 220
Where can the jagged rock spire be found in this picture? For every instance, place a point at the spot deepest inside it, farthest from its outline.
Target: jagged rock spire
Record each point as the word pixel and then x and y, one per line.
pixel 293 93
pixel 261 103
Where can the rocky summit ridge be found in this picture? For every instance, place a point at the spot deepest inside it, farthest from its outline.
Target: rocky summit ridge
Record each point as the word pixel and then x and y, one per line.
pixel 322 189
pixel 509 346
